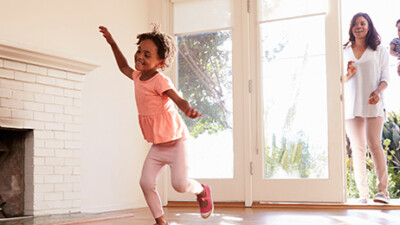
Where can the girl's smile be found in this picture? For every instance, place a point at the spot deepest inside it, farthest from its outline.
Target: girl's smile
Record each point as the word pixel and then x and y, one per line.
pixel 146 57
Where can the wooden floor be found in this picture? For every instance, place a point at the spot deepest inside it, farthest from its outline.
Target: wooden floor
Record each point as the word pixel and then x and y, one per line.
pixel 228 215
pixel 262 216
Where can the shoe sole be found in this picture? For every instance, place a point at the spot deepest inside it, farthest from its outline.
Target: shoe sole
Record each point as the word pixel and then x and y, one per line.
pixel 381 201
pixel 207 215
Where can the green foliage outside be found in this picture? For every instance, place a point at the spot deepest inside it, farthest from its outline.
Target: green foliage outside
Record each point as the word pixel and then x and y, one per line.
pixel 292 157
pixel 391 139
pixel 391 144
pixel 372 181
pixel 205 80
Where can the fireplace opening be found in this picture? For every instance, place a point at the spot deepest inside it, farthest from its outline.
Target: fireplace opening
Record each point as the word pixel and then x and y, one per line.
pixel 15 147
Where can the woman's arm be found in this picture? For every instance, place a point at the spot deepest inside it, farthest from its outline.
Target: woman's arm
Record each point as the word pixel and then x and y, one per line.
pixel 182 104
pixel 374 97
pixel 119 57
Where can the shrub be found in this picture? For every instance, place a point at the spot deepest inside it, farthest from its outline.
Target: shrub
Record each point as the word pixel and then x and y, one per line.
pixel 391 145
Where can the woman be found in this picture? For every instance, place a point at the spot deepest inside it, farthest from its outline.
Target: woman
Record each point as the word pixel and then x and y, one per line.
pixel 366 79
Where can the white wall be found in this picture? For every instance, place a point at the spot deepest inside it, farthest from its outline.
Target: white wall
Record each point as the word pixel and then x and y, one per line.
pixel 113 146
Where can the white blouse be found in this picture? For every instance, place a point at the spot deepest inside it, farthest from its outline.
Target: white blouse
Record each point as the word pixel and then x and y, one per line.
pixel 372 69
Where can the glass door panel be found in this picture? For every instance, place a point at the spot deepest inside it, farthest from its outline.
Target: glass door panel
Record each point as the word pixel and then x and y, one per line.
pixel 295 136
pixel 205 80
pixel 205 76
pixel 299 153
pixel 276 9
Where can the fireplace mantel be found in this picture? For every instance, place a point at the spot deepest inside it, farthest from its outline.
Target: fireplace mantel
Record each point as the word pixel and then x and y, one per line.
pixel 36 56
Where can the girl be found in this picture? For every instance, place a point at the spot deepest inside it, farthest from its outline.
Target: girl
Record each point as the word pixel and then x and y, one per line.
pixel 367 76
pixel 159 121
pixel 395 46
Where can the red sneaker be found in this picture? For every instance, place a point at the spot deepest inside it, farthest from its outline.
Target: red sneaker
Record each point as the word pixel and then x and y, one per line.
pixel 208 210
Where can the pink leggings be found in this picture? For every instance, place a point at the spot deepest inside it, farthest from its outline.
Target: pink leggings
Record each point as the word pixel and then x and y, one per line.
pixel 359 129
pixel 173 154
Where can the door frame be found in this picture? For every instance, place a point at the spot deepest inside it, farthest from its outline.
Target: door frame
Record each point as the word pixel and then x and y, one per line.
pixel 236 189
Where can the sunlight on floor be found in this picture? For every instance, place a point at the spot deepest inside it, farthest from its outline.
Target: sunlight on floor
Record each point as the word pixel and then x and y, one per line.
pixel 291 219
pixel 383 215
pixel 225 219
pixel 232 218
pixel 354 220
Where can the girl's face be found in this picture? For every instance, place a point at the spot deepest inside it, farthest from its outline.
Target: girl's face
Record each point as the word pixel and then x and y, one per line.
pixel 146 57
pixel 360 28
pixel 398 29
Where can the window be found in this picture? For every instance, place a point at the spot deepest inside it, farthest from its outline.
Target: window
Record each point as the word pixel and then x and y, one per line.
pixel 204 72
pixel 294 97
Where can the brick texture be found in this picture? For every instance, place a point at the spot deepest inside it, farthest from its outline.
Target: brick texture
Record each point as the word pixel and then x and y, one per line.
pixel 48 101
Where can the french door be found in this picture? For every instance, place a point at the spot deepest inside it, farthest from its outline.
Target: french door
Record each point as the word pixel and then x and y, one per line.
pixel 266 76
pixel 207 76
pixel 298 154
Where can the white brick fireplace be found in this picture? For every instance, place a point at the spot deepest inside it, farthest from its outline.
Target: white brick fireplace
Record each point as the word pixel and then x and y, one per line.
pixel 41 92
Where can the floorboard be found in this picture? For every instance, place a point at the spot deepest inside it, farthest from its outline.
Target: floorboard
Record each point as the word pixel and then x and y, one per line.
pixel 229 214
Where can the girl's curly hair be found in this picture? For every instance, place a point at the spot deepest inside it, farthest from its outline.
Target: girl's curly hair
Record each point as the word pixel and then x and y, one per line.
pixel 166 45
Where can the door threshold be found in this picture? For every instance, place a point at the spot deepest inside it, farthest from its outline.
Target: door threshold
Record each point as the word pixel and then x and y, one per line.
pixel 350 204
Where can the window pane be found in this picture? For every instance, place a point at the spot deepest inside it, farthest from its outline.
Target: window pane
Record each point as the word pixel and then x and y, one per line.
pixel 205 80
pixel 277 9
pixel 294 98
pixel 201 15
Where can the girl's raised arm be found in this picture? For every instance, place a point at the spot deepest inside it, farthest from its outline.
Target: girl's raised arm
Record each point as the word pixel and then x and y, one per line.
pixel 119 57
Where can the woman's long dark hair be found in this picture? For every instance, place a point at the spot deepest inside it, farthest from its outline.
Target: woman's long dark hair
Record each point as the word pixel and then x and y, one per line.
pixel 373 39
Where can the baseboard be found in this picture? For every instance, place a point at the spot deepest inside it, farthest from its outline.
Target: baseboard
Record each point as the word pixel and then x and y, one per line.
pixel 352 204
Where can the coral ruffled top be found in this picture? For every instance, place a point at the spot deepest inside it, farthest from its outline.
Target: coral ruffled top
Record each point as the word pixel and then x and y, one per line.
pixel 158 117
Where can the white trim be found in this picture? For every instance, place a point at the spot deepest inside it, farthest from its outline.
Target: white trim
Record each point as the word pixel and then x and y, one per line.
pixel 32 55
pixel 245 68
pixel 292 17
pixel 334 67
pixel 203 31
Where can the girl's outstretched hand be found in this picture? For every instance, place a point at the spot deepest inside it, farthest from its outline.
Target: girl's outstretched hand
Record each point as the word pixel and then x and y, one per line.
pixel 182 104
pixel 192 113
pixel 106 35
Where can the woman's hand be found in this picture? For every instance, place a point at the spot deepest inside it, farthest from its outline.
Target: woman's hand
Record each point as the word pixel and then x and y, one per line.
pixel 373 98
pixel 107 35
pixel 351 69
